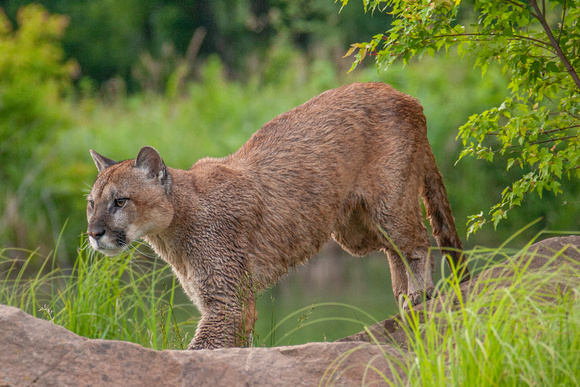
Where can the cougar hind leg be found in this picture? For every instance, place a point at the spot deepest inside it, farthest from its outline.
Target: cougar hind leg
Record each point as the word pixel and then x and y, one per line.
pixel 411 263
pixel 411 274
pixel 420 277
pixel 399 281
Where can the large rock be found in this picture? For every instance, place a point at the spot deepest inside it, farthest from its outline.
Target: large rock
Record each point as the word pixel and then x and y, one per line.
pixel 35 351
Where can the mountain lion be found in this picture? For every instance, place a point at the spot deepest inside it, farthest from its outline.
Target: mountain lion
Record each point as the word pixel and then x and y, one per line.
pixel 349 164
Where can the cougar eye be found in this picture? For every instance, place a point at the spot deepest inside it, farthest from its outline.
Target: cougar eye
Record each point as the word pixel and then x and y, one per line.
pixel 120 202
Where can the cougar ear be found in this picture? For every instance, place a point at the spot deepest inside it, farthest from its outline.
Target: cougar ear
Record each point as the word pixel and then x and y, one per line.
pixel 101 162
pixel 150 161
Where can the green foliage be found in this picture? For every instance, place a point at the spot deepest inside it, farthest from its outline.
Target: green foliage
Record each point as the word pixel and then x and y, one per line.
pixel 33 80
pixel 135 299
pixel 33 76
pixel 118 298
pixel 536 127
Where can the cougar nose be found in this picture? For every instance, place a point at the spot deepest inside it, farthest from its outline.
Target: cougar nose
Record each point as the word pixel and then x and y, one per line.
pixel 96 234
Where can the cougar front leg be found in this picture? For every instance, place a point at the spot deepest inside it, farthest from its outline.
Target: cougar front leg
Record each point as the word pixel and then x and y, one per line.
pixel 217 329
pixel 227 324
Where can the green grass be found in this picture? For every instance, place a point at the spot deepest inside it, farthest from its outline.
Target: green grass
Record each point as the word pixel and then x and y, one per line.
pixel 119 298
pixel 518 330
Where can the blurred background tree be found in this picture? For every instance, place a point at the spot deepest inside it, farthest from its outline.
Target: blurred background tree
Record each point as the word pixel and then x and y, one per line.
pixel 34 76
pixel 109 38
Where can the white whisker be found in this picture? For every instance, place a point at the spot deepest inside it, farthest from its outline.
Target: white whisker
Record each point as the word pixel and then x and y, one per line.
pixel 148 255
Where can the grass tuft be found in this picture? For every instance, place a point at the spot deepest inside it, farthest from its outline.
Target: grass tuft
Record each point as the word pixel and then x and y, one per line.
pixel 118 298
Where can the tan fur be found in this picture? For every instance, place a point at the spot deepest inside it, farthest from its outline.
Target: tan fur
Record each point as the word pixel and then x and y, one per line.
pixel 345 164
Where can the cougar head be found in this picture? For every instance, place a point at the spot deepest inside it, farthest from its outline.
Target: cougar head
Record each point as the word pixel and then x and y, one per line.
pixel 128 201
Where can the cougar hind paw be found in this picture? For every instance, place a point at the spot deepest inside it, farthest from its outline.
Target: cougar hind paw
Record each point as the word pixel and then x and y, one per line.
pixel 417 298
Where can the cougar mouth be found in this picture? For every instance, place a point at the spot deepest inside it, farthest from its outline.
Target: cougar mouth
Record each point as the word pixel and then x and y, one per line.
pixel 108 244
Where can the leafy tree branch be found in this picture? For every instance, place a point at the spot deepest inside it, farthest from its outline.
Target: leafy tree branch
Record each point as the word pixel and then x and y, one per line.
pixel 541 16
pixel 537 46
